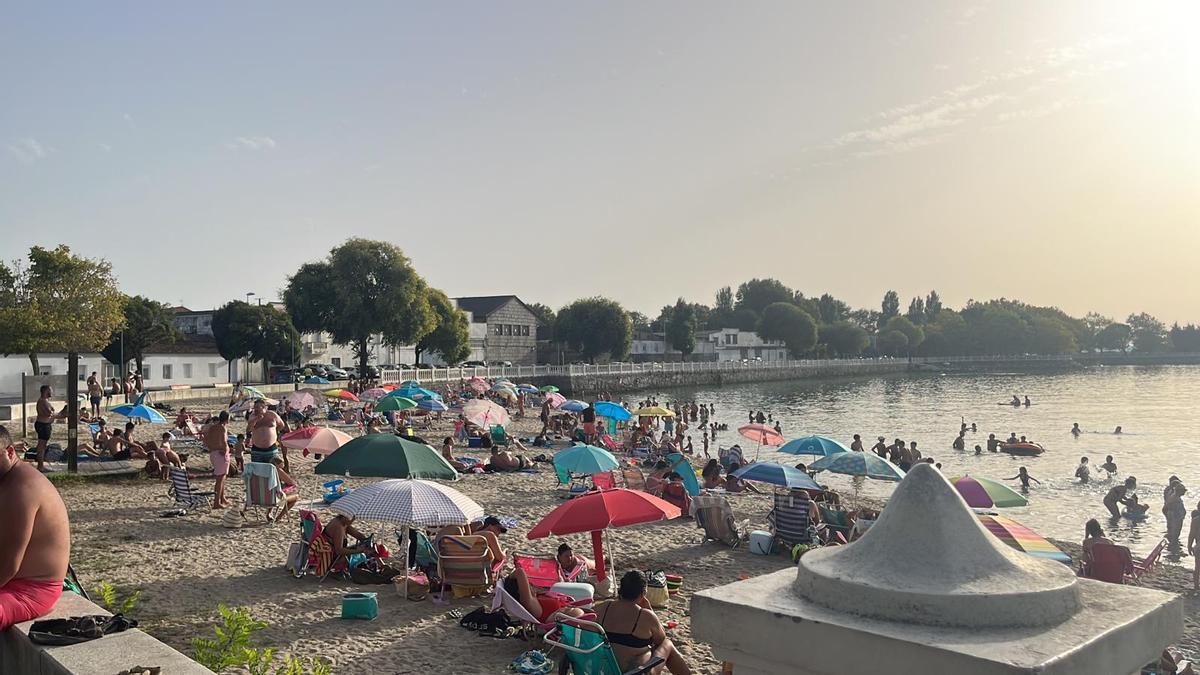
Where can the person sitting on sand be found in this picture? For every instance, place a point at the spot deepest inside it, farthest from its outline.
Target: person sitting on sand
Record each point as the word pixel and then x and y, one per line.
pixel 1109 466
pixel 118 447
pixel 102 434
pixel 291 491
pixel 1092 535
pixel 490 528
pixel 634 630
pixel 569 563
pixel 1083 472
pixel 37 539
pixel 540 605
pixel 712 475
pixel 736 485
pixel 1075 430
pixel 1024 477
pixel 447 447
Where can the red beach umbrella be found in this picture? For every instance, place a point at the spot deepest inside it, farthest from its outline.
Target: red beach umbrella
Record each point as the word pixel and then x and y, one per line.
pixel 761 434
pixel 599 510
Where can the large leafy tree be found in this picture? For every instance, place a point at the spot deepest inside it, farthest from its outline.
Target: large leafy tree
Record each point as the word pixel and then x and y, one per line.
pixel 889 308
pixel 892 343
pixel 1185 339
pixel 1149 335
pixel 595 326
pixel 945 335
pixel 681 327
pixel 912 333
pixel 830 310
pixel 1113 336
pixel 916 311
pixel 933 305
pixel 545 316
pixel 756 294
pixel 364 287
pixel 257 332
pixel 1050 336
pixel 148 323
pixel 843 338
pixel 790 324
pixel 451 336
pixel 639 321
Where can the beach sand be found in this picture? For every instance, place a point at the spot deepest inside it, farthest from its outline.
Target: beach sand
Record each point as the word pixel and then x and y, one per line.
pixel 185 566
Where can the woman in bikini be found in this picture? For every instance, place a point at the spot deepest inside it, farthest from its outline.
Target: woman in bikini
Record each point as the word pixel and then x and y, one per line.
pixel 634 630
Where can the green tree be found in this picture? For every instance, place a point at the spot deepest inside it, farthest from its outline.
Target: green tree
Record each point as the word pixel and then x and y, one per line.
pixel 866 319
pixel 892 343
pixel 916 311
pixel 545 316
pixel 639 321
pixel 1185 339
pixel 889 308
pixel 256 332
pixel 933 305
pixel 148 323
pixel 595 326
pixel 364 288
pixel 681 328
pixel 945 335
pixel 724 299
pixel 1050 336
pixel 20 332
pixel 788 323
pixel 743 319
pixel 912 333
pixel 451 336
pixel 1114 336
pixel 830 310
pixel 1148 334
pixel 995 329
pixel 756 294
pixel 844 338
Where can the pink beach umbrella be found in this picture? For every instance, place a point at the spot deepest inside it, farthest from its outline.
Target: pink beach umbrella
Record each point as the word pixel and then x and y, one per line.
pixel 477 384
pixel 556 399
pixel 320 440
pixel 484 413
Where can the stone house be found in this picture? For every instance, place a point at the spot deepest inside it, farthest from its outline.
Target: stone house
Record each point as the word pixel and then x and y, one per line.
pixel 511 328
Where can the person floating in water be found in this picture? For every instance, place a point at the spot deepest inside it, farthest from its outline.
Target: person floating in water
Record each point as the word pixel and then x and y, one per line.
pixel 974 427
pixel 1134 509
pixel 1083 472
pixel 1024 477
pixel 978 449
pixel 1117 430
pixel 1028 402
pixel 1075 430
pixel 1109 466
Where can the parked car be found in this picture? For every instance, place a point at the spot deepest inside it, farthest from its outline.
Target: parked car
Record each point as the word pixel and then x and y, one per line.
pixel 505 364
pixel 283 375
pixel 474 364
pixel 318 369
pixel 423 366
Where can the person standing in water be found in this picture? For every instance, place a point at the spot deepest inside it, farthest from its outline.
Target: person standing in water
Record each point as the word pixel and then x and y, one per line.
pixel 1075 430
pixel 1024 477
pixel 1109 466
pixel 1083 472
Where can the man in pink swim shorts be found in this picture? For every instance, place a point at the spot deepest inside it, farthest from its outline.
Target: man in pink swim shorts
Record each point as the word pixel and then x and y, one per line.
pixel 36 536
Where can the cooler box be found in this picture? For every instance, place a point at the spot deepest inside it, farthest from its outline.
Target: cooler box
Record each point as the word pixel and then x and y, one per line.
pixel 575 590
pixel 761 542
pixel 474 442
pixel 360 606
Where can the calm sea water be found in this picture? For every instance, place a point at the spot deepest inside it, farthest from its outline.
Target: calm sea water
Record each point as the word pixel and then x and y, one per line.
pixel 1156 406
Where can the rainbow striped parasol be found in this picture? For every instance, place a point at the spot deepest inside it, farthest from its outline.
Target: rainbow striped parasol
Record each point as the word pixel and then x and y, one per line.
pixel 1021 538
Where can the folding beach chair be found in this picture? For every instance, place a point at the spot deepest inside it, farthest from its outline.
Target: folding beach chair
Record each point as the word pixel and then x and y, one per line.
pixel 1141 567
pixel 1110 563
pixel 604 480
pixel 542 571
pixel 587 650
pixel 501 599
pixel 837 521
pixel 499 435
pixel 263 489
pixel 608 443
pixel 634 479
pixel 182 492
pixel 715 516
pixel 466 561
pixel 316 551
pixel 790 520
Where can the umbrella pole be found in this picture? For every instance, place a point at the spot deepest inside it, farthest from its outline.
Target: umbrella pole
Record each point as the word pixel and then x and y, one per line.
pixel 598 551
pixel 404 549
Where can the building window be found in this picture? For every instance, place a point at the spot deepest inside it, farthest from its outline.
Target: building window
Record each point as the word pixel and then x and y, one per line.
pixel 187 371
pixel 499 329
pixel 731 338
pixel 508 329
pixel 337 361
pixel 166 371
pixel 524 330
pixel 212 369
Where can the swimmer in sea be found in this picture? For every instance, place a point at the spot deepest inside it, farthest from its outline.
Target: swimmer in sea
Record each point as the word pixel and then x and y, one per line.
pixel 1117 430
pixel 1075 430
pixel 1083 472
pixel 1016 400
pixel 974 427
pixel 1024 477
pixel 993 443
pixel 1109 466
pixel 1028 402
pixel 978 449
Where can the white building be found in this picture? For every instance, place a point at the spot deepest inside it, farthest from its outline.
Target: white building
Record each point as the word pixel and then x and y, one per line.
pixel 731 344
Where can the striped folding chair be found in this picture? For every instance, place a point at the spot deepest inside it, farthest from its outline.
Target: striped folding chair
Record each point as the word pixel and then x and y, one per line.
pixel 466 561
pixel 182 492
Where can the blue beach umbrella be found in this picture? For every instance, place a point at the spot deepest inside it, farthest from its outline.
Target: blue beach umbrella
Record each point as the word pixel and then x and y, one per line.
pixel 410 383
pixel 432 405
pixel 859 464
pixel 820 446
pixel 573 406
pixel 613 411
pixel 527 389
pixel 777 474
pixel 139 411
pixel 315 379
pixel 415 393
pixel 584 460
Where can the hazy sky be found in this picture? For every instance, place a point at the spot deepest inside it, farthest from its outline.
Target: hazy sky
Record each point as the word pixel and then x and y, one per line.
pixel 639 150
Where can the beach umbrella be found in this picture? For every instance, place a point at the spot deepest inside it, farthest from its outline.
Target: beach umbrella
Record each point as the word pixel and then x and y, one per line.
pixel 315 379
pixel 600 510
pixel 414 503
pixel 506 394
pixel 251 392
pixel 344 394
pixel 415 393
pixel 981 493
pixel 527 389
pixel 573 406
pixel 777 474
pixel 477 384
pixel 409 383
pixel 432 405
pixel 484 413
pixel 246 404
pixel 859 464
pixel 303 398
pixel 653 411
pixel 373 394
pixel 761 434
pixel 322 442
pixel 549 389
pixel 297 438
pixel 820 446
pixel 612 411
pixel 1021 538
pixel 386 456
pixel 389 387
pixel 584 460
pixel 505 382
pixel 139 411
pixel 394 403
pixel 556 399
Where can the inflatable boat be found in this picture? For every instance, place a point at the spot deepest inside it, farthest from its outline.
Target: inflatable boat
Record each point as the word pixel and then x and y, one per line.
pixel 1025 449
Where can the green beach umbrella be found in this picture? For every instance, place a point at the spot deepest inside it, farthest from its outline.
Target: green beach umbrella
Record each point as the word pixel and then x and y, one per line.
pixel 386 456
pixel 396 403
pixel 549 388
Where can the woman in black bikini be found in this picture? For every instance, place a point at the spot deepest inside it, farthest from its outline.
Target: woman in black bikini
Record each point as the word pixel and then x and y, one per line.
pixel 634 629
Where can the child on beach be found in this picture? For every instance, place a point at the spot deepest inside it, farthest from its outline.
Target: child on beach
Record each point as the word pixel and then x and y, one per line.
pixel 1024 477
pixel 1083 472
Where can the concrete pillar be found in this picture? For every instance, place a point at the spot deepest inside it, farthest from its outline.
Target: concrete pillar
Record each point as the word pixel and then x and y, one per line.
pixel 928 590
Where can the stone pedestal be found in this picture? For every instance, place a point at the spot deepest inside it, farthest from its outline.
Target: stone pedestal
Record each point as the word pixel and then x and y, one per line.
pixel 928 590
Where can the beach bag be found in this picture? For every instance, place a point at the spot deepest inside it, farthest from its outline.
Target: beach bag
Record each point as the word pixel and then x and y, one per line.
pixel 297 559
pixel 492 624
pixel 77 629
pixel 656 589
pixel 232 519
pixel 532 662
pixel 418 586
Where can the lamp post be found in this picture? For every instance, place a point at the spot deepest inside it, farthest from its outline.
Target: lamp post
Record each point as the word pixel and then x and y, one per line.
pixel 248 296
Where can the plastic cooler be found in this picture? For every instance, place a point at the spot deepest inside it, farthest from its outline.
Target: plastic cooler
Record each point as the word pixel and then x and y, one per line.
pixel 360 606
pixel 761 542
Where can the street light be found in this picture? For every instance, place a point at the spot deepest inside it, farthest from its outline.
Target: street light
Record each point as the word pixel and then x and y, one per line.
pixel 248 297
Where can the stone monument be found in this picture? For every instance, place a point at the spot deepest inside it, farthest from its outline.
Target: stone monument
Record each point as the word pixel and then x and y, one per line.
pixel 928 590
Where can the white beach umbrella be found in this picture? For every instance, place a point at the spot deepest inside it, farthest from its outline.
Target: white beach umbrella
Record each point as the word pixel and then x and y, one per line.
pixel 409 502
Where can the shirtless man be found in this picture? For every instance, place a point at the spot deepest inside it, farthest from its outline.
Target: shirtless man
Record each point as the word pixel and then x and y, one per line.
pixel 95 393
pixel 117 446
pixel 264 428
pixel 44 423
pixel 36 536
pixel 216 441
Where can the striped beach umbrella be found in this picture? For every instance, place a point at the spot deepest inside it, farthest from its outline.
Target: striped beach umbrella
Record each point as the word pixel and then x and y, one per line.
pixel 396 403
pixel 1021 538
pixel 431 405
pixel 821 446
pixel 415 503
pixel 859 464
pixel 981 493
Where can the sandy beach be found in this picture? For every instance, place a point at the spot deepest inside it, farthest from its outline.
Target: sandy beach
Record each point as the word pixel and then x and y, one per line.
pixel 185 566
